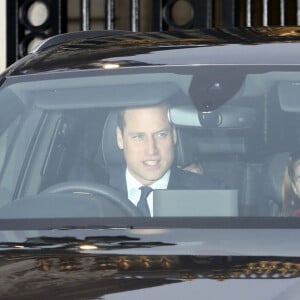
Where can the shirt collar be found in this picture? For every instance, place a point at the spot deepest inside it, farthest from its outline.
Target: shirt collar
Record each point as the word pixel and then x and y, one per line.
pixel 132 183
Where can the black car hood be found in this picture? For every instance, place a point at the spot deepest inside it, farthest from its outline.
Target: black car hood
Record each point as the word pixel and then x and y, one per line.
pixel 149 263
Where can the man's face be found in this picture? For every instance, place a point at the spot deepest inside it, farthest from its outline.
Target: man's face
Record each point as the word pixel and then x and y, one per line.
pixel 148 143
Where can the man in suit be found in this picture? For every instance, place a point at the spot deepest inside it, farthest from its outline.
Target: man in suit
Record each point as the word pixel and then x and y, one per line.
pixel 147 139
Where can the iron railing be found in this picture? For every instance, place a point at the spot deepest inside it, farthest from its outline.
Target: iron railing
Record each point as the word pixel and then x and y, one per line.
pixel 205 13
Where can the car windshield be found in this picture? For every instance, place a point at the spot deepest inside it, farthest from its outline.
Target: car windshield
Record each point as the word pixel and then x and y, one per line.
pixel 210 141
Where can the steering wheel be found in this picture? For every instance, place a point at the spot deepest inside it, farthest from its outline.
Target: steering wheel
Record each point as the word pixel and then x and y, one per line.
pixel 102 192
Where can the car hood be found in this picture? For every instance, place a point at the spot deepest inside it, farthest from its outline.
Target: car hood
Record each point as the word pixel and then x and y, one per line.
pixel 148 263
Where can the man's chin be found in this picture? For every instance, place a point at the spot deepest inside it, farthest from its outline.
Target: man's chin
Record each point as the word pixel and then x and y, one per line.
pixel 150 178
pixel 153 178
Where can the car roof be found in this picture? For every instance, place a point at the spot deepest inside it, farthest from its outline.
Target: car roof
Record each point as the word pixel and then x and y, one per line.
pixel 216 46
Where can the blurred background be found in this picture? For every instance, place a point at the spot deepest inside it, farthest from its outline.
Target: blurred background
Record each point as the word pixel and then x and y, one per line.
pixel 25 23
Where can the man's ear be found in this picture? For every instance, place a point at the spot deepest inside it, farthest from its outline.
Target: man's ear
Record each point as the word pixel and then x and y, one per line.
pixel 119 138
pixel 174 135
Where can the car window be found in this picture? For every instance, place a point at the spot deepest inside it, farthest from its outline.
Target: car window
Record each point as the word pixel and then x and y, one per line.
pixel 219 141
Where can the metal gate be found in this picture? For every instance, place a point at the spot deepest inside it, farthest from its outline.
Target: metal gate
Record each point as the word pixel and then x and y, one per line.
pixel 187 14
pixel 30 21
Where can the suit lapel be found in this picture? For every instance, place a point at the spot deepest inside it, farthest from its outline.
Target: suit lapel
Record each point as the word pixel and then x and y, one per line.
pixel 174 180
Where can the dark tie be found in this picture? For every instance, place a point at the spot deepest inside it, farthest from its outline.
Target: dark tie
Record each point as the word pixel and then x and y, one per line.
pixel 142 204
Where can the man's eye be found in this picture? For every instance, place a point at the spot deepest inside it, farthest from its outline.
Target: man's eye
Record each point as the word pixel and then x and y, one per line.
pixel 163 134
pixel 138 137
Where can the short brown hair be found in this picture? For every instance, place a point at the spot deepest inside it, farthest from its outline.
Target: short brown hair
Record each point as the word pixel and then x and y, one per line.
pixel 121 119
pixel 121 113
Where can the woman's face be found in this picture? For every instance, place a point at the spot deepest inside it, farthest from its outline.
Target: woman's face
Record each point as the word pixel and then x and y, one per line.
pixel 296 182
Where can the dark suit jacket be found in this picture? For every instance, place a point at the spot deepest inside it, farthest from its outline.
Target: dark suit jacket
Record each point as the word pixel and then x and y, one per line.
pixel 179 179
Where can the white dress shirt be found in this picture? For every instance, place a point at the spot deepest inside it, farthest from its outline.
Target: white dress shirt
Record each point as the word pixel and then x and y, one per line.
pixel 134 192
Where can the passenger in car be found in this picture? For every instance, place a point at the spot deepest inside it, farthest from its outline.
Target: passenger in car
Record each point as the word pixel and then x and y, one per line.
pixel 291 187
pixel 148 141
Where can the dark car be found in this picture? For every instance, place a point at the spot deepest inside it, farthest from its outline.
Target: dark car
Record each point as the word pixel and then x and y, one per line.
pixel 226 228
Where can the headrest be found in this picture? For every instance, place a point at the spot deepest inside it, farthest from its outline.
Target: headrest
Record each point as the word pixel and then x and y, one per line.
pixel 111 152
pixel 112 155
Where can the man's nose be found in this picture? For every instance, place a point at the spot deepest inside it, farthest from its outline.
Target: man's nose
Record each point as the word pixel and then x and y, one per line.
pixel 151 146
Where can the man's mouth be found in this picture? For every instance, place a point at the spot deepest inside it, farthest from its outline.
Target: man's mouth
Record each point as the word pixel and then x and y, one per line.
pixel 151 163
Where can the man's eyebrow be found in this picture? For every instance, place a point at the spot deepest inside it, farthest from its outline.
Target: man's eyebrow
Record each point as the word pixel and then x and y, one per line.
pixel 135 132
pixel 142 132
pixel 165 129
